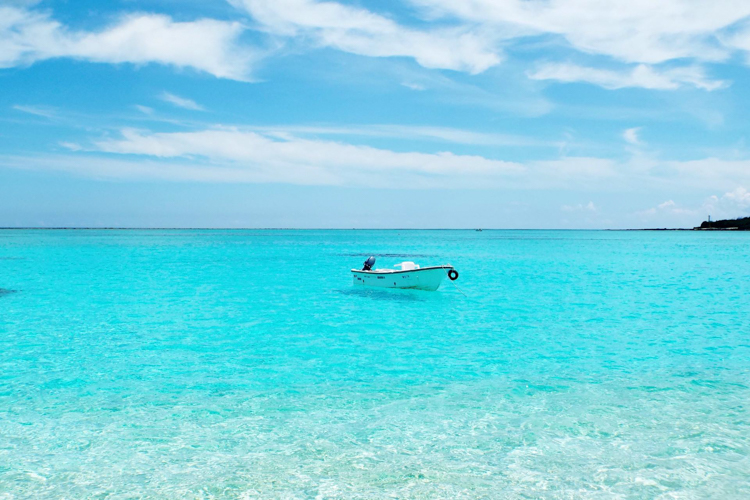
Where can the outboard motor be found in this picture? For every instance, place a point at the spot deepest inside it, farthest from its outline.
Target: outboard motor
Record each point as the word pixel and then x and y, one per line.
pixel 368 264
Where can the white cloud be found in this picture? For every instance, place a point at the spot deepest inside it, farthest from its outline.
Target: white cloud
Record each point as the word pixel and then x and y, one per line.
pixel 711 173
pixel 44 111
pixel 144 109
pixel 740 197
pixel 281 155
pixel 730 205
pixel 644 33
pixel 446 134
pixel 244 157
pixel 635 31
pixel 589 207
pixel 181 102
pixel 739 39
pixel 640 76
pixel 410 132
pixel 298 155
pixel 457 35
pixel 631 136
pixel 666 205
pixel 514 95
pixel 580 170
pixel 359 31
pixel 72 146
pixel 205 45
pixel 265 158
pixel 233 155
pixel 414 86
pixel 669 207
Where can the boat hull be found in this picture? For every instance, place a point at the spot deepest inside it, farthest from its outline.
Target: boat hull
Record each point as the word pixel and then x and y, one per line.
pixel 426 278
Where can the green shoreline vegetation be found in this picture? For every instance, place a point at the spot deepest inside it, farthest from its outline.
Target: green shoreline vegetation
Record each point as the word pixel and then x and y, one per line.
pixel 739 224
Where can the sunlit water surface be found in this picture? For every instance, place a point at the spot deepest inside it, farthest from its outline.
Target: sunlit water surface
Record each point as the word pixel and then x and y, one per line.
pixel 245 364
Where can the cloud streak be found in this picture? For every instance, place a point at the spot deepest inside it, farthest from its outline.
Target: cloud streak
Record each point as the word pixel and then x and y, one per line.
pixel 359 31
pixel 642 76
pixel 633 31
pixel 631 136
pixel 273 157
pixel 232 155
pixel 304 161
pixel 731 204
pixel 641 33
pixel 181 102
pixel 36 110
pixel 589 207
pixel 205 45
pixel 409 132
pixel 461 36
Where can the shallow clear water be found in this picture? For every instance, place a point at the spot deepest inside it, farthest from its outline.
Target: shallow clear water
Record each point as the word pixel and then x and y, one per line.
pixel 245 364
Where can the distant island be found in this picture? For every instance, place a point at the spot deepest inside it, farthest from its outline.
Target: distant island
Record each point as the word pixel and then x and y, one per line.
pixel 741 224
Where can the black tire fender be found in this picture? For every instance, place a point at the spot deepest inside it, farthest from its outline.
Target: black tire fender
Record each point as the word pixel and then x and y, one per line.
pixel 453 275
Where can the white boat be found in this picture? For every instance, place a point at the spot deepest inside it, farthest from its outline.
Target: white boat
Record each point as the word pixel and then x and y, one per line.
pixel 409 275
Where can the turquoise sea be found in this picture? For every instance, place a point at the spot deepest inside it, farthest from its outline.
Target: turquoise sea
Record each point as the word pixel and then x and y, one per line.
pixel 244 364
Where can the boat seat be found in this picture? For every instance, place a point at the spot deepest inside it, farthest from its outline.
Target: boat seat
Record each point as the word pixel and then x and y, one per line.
pixel 407 266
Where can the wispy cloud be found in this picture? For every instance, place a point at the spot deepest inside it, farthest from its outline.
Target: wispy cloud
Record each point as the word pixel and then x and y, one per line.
pixel 71 146
pixel 705 172
pixel 414 86
pixel 44 111
pixel 181 102
pixel 515 95
pixel 464 36
pixel 640 76
pixel 411 132
pixel 731 204
pixel 634 32
pixel 360 31
pixel 631 136
pixel 144 109
pixel 669 207
pixel 28 36
pixel 588 207
pixel 304 161
pixel 642 33
pixel 734 203
pixel 232 155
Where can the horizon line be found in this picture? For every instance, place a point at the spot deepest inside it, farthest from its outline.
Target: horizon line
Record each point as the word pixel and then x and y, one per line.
pixel 134 228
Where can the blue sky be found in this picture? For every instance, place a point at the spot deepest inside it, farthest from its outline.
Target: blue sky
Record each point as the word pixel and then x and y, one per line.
pixel 412 113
